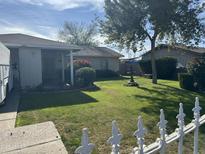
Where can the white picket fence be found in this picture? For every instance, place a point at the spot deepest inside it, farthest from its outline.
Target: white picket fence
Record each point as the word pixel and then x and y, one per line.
pixel 161 143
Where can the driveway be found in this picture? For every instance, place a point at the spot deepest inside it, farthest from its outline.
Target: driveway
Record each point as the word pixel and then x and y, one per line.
pixel 8 112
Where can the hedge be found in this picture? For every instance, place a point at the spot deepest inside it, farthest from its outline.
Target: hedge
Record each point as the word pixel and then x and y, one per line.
pixel 166 67
pixel 196 67
pixel 186 81
pixel 106 74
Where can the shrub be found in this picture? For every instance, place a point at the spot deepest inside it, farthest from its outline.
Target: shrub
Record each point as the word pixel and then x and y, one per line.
pixel 146 66
pixel 106 74
pixel 166 67
pixel 197 68
pixel 77 64
pixel 186 81
pixel 85 76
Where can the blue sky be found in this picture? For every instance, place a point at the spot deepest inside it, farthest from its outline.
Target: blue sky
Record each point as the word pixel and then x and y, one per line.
pixel 44 18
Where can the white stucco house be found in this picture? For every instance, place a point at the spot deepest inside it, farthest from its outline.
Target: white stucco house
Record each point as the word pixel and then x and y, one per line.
pixel 36 61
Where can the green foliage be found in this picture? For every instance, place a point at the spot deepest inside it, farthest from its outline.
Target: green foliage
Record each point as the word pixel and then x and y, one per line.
pixel 146 66
pixel 85 76
pixel 131 22
pixel 166 67
pixel 106 74
pixel 77 64
pixel 186 81
pixel 197 69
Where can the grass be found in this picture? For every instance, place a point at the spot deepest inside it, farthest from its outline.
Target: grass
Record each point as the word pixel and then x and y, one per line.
pixel 72 111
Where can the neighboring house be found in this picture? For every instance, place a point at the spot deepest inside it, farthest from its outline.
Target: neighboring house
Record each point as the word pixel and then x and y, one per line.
pixel 100 58
pixel 183 54
pixel 37 61
pixel 126 65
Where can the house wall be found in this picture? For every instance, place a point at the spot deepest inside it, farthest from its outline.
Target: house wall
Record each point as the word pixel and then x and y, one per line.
pixel 100 63
pixel 30 67
pixel 183 57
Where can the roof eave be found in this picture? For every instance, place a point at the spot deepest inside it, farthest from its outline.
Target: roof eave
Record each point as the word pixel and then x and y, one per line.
pixel 9 45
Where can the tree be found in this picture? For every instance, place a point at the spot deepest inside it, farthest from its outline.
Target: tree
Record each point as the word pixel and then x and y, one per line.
pixel 129 23
pixel 79 33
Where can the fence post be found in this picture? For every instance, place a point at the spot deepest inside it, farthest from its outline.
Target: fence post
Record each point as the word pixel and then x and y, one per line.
pixel 86 147
pixel 115 139
pixel 180 118
pixel 162 128
pixel 139 134
pixel 196 111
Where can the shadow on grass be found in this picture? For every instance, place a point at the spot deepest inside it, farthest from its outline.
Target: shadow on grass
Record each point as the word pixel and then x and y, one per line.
pixel 92 89
pixel 168 98
pixel 46 100
pixel 113 78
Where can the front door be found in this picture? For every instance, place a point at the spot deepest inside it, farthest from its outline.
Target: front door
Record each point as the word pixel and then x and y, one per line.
pixel 51 66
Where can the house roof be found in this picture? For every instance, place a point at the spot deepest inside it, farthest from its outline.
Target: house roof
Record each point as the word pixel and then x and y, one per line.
pixel 195 50
pixel 97 52
pixel 22 40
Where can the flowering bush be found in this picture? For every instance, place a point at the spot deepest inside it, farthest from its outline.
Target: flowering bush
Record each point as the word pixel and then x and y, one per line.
pixel 81 63
pixel 77 65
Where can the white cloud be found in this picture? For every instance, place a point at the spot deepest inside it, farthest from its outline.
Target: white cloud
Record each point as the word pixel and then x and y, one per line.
pixel 66 4
pixel 7 27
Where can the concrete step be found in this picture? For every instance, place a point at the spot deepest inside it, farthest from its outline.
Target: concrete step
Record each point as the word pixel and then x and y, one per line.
pixel 40 138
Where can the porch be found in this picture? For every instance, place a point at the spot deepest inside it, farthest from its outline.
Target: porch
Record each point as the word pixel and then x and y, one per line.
pixel 55 67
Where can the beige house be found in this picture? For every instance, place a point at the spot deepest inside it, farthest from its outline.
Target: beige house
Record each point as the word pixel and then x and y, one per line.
pixel 40 62
pixel 100 58
pixel 183 54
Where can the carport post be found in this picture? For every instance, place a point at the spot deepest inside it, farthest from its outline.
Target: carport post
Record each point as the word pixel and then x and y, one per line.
pixel 63 67
pixel 71 68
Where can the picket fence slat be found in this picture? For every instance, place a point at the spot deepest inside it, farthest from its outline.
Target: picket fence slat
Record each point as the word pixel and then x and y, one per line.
pixel 180 130
pixel 86 147
pixel 196 111
pixel 115 139
pixel 161 143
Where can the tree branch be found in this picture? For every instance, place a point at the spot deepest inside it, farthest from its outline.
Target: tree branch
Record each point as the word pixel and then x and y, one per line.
pixel 148 35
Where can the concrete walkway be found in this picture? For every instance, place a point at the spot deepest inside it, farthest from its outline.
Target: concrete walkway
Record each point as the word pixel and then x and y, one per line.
pixel 42 138
pixel 8 112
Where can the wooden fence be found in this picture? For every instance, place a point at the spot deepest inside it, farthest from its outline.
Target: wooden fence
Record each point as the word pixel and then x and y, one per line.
pixel 161 143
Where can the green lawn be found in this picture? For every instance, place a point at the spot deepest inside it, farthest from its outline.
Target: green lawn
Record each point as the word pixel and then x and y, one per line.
pixel 72 111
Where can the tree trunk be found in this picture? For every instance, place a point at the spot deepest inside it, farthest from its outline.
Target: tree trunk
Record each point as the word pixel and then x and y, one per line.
pixel 154 70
